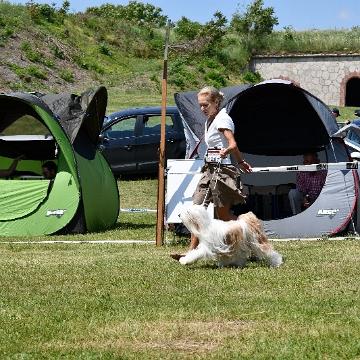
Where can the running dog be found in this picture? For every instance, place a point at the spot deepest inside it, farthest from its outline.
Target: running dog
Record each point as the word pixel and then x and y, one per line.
pixel 231 243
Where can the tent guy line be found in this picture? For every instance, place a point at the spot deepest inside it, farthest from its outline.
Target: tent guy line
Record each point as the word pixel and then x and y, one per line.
pixel 342 166
pixel 151 242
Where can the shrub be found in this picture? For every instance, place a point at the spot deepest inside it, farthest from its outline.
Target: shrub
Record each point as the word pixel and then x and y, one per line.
pixel 181 74
pixel 210 63
pixel 91 22
pixel 134 12
pixel 20 72
pixel 104 49
pixel 57 52
pixel 36 72
pixel 32 55
pixel 47 62
pixel 186 29
pixel 40 12
pixel 215 78
pixel 45 12
pixel 8 32
pixel 67 75
pixel 234 57
pixel 251 77
pixel 89 65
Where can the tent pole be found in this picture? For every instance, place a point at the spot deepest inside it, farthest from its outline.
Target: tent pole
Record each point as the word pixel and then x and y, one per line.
pixel 161 173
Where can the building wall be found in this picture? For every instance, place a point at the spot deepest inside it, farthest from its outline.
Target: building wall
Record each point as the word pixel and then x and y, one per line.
pixel 325 76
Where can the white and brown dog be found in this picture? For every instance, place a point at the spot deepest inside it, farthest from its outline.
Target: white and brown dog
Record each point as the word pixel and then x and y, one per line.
pixel 231 243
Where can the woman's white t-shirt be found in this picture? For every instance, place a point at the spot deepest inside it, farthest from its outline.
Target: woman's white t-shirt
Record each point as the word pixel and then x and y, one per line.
pixel 215 138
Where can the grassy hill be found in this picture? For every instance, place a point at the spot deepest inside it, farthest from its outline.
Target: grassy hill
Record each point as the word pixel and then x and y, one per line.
pixel 73 54
pixel 46 49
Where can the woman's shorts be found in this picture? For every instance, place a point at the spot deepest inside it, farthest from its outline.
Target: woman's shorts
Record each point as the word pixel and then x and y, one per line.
pixel 221 186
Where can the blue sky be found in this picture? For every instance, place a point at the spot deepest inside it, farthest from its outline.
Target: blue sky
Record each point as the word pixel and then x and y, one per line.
pixel 300 14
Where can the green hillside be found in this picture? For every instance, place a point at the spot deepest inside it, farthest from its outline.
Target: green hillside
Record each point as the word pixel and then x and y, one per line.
pixel 73 52
pixel 48 49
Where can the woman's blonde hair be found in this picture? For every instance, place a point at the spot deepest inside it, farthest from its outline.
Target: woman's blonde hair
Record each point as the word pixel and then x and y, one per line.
pixel 214 94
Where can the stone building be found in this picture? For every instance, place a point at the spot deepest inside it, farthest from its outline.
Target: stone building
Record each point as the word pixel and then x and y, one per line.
pixel 333 78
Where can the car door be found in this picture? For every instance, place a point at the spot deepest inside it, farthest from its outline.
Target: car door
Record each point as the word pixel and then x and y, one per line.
pixel 149 141
pixel 118 144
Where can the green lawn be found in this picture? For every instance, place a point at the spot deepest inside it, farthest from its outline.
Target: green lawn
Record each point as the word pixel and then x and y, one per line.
pixel 116 301
pixel 92 301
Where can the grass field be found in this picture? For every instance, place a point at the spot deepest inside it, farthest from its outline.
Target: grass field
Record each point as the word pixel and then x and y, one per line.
pixel 116 301
pixel 134 302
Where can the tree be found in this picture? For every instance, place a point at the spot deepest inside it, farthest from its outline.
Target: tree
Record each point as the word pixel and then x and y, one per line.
pixel 146 14
pixel 200 38
pixel 215 29
pixel 135 12
pixel 257 20
pixel 65 7
pixel 186 29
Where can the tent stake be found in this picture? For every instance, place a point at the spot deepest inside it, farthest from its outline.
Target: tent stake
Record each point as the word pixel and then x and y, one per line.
pixel 161 173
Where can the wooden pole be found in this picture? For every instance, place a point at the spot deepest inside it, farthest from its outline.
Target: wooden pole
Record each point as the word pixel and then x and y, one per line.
pixel 161 173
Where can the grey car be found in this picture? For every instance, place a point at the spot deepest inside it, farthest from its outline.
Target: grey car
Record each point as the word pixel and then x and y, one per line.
pixel 130 139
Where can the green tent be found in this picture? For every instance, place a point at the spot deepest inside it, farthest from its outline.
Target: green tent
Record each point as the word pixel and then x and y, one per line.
pixel 63 128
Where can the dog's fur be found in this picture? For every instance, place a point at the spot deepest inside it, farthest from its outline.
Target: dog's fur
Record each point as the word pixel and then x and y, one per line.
pixel 231 243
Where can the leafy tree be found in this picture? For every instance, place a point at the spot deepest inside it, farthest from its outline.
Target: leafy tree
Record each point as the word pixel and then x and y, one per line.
pixel 215 29
pixel 134 12
pixel 145 14
pixel 45 12
pixel 40 12
pixel 201 38
pixel 257 20
pixel 186 29
pixel 65 7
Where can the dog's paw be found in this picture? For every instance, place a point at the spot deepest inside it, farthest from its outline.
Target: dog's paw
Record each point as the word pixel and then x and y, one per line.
pixel 183 260
pixel 276 259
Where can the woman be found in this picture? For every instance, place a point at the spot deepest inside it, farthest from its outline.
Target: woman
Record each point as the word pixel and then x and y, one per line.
pixel 220 180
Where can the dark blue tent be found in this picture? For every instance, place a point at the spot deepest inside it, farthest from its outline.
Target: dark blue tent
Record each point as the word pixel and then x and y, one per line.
pixel 277 122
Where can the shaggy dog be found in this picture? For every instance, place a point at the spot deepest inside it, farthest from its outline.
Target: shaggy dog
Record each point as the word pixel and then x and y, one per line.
pixel 231 243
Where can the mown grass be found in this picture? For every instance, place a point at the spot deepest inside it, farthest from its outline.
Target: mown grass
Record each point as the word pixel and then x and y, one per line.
pixel 116 301
pixel 135 302
pixel 119 99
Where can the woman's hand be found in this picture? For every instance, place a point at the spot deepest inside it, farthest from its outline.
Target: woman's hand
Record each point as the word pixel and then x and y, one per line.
pixel 243 165
pixel 223 153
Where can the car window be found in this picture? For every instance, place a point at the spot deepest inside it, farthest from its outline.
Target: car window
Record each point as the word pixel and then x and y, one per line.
pixel 354 137
pixel 123 128
pixel 153 124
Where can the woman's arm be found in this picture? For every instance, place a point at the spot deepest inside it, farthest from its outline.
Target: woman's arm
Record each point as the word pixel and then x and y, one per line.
pixel 233 149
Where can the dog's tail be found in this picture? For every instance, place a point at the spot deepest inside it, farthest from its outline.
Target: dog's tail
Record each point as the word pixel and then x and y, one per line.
pixel 258 241
pixel 267 253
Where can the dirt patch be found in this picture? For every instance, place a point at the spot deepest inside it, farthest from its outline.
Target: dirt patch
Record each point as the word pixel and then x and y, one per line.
pixel 184 337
